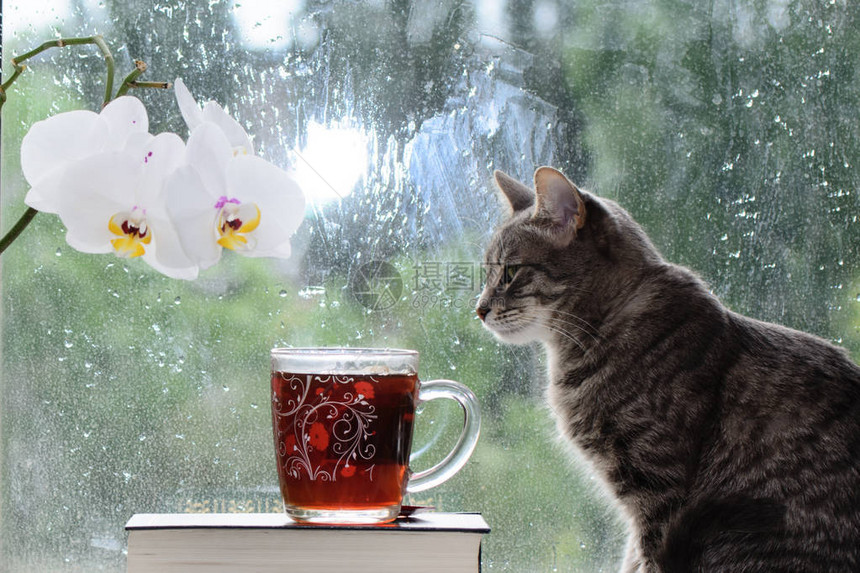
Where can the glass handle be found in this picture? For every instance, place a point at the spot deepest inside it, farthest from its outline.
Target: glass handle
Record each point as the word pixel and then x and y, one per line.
pixel 455 460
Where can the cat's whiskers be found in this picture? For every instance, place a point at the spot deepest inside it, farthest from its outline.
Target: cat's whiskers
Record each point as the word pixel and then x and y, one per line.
pixel 585 343
pixel 520 318
pixel 576 289
pixel 547 322
pixel 586 326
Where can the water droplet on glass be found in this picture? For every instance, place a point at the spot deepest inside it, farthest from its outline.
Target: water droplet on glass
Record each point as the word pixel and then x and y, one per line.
pixel 283 293
pixel 177 300
pixel 312 291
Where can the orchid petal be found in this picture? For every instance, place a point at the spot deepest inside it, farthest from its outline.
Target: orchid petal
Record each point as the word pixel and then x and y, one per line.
pixel 191 112
pixel 235 221
pixel 236 134
pixel 278 197
pixel 168 257
pixel 96 189
pixel 45 194
pixel 52 143
pixel 126 247
pixel 137 143
pixel 213 113
pixel 249 213
pixel 209 151
pixel 103 213
pixel 161 156
pixel 87 232
pixel 191 209
pixel 124 117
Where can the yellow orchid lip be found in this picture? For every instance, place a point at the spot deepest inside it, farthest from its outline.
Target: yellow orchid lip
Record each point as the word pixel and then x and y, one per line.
pixel 132 231
pixel 235 220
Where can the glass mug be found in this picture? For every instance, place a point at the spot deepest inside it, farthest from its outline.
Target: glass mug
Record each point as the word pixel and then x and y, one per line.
pixel 342 421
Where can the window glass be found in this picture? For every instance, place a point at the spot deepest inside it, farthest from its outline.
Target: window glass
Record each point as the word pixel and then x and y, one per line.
pixel 728 129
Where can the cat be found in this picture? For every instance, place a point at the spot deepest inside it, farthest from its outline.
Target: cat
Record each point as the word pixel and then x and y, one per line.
pixel 730 444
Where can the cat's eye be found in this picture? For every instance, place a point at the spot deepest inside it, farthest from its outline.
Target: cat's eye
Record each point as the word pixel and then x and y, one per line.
pixel 510 271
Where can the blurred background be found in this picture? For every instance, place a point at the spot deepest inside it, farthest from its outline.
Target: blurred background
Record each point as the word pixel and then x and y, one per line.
pixel 728 128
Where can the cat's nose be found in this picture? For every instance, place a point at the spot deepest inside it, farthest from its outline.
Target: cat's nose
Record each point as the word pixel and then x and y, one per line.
pixel 483 311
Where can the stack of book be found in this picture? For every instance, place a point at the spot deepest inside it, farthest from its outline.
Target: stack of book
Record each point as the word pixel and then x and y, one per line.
pixel 426 542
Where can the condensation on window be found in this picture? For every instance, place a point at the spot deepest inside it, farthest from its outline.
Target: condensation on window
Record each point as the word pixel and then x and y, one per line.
pixel 729 131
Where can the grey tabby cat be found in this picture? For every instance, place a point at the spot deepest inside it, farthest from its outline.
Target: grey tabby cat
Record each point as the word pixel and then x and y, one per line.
pixel 730 444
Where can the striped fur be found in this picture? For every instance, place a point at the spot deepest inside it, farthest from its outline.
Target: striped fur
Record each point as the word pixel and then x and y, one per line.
pixel 729 443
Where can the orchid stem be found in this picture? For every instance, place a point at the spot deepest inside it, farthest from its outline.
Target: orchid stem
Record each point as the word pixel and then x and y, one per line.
pixel 131 80
pixel 17 62
pixel 154 85
pixel 139 68
pixel 19 227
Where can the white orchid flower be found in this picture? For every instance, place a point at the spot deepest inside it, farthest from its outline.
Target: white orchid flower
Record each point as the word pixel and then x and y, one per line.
pixel 195 117
pixel 114 202
pixel 224 200
pixel 53 144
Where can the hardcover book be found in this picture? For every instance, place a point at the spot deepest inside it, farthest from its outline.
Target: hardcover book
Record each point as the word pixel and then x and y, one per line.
pixel 426 542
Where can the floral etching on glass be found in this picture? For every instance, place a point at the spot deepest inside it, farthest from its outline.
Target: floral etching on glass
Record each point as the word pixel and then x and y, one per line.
pixel 335 418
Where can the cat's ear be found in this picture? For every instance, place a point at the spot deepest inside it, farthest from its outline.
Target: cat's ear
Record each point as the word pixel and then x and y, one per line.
pixel 519 196
pixel 558 200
